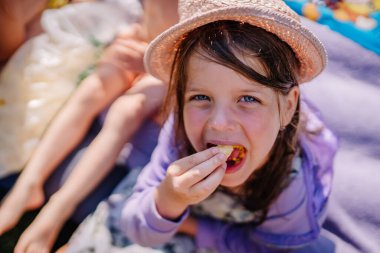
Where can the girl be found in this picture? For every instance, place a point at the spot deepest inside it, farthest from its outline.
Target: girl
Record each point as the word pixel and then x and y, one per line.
pixel 234 69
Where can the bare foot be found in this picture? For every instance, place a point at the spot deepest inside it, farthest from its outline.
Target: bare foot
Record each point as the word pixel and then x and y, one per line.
pixel 40 236
pixel 24 196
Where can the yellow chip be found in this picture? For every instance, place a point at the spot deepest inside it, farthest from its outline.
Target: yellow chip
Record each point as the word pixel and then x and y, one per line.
pixel 226 149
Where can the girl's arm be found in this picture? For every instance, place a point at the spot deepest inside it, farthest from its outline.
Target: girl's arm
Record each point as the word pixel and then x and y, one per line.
pixel 139 219
pixel 165 189
pixel 289 224
pixel 143 224
pixel 293 220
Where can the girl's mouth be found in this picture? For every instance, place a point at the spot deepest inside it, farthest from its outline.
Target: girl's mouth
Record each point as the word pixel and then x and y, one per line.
pixel 235 158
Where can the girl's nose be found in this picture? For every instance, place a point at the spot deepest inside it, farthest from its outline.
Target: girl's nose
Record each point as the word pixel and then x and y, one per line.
pixel 221 120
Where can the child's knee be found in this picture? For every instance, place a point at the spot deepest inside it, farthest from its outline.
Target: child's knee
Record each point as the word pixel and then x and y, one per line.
pixel 127 107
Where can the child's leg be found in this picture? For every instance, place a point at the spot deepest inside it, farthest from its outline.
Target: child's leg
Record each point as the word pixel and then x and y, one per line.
pixel 104 189
pixel 43 231
pixel 99 228
pixel 112 77
pixel 23 196
pixel 62 249
pixel 124 118
pixel 74 120
pixel 94 94
pixel 56 180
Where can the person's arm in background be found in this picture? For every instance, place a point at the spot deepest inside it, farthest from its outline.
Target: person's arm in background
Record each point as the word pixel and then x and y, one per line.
pixel 110 79
pixel 125 116
pixel 15 17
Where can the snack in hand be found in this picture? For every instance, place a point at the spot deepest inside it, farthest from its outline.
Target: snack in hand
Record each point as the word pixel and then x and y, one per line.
pixel 226 149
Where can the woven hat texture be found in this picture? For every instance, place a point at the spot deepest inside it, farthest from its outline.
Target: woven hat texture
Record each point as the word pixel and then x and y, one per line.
pixel 272 15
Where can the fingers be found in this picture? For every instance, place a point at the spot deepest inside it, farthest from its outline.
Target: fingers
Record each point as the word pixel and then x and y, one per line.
pixel 132 31
pixel 194 183
pixel 126 53
pixel 203 170
pixel 189 181
pixel 179 167
pixel 210 183
pixel 137 45
pixel 131 59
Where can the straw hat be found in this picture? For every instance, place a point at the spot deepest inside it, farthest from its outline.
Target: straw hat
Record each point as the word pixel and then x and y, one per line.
pixel 272 15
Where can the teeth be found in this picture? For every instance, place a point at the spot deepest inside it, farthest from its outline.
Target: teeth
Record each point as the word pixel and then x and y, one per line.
pixel 226 149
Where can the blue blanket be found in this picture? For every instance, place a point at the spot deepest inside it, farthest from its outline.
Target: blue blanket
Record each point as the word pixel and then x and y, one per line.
pixel 360 22
pixel 348 95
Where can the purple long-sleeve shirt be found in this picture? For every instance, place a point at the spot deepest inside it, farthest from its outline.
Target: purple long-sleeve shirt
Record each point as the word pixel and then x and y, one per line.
pixel 293 220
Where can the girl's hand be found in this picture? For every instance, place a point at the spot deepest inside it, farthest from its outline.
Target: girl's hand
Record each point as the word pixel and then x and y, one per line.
pixel 126 52
pixel 189 181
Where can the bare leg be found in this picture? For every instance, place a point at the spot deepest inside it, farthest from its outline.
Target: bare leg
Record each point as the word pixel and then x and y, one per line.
pixel 74 120
pixel 130 110
pixel 41 234
pixel 25 195
pixel 62 249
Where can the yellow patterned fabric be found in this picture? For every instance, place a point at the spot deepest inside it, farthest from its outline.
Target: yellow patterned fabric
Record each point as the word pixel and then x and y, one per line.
pixel 54 4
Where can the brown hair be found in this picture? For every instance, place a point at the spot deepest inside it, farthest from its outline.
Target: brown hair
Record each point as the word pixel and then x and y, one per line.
pixel 226 43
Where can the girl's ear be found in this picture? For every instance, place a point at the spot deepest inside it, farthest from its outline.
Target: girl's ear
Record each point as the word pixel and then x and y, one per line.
pixel 289 106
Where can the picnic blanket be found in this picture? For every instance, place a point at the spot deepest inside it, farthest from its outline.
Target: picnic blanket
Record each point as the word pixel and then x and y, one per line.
pixel 357 20
pixel 347 94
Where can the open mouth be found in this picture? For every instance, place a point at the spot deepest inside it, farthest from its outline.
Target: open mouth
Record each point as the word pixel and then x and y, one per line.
pixel 237 154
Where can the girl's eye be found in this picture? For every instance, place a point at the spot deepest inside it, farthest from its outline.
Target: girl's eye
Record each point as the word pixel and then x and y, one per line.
pixel 248 99
pixel 199 98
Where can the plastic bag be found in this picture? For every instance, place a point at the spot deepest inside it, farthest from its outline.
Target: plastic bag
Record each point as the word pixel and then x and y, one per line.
pixel 42 74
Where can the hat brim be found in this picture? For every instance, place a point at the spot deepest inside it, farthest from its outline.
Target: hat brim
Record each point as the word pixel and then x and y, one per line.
pixel 308 49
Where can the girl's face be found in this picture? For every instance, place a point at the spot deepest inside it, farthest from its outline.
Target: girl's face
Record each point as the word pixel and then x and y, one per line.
pixel 224 108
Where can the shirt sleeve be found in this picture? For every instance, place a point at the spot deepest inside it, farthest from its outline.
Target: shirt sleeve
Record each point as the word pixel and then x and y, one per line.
pixel 140 220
